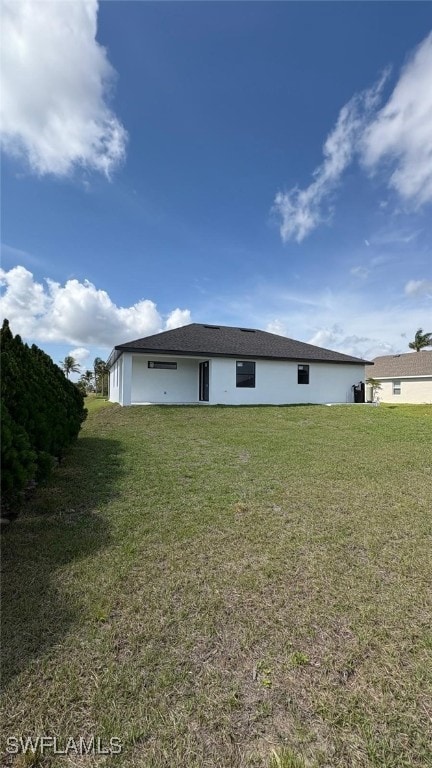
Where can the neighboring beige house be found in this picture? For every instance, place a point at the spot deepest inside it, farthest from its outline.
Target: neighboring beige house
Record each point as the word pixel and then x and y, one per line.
pixel 405 378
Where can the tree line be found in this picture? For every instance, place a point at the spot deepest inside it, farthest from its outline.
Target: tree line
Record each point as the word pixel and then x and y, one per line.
pixel 95 380
pixel 41 411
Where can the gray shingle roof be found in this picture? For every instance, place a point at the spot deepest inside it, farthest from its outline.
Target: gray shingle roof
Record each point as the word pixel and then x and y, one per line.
pixel 407 364
pixel 225 341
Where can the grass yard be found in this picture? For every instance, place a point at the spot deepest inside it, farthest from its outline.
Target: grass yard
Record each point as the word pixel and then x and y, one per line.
pixel 228 587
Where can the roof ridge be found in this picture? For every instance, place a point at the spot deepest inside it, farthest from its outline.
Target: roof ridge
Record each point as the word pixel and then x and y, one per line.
pixel 403 354
pixel 205 340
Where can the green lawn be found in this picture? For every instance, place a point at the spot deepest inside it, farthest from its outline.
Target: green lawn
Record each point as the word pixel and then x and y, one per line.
pixel 228 587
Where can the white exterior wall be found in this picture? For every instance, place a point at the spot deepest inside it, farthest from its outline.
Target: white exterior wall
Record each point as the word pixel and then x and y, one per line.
pixel 413 390
pixel 276 383
pixel 115 381
pixel 153 385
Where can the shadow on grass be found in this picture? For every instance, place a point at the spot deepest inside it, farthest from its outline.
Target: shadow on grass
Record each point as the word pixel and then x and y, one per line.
pixel 60 524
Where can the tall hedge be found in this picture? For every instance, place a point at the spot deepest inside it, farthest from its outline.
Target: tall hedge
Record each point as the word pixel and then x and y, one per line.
pixel 41 412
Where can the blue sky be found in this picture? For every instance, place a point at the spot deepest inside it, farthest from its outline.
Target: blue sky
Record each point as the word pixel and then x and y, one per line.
pixel 241 163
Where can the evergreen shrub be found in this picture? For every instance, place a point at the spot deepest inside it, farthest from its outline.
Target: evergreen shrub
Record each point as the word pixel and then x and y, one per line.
pixel 42 412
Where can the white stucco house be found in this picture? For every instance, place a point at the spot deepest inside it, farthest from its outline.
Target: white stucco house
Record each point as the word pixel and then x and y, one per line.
pixel 212 364
pixel 405 378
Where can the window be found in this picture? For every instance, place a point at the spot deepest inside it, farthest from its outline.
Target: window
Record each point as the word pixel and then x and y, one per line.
pixel 396 387
pixel 245 373
pixel 162 364
pixel 302 374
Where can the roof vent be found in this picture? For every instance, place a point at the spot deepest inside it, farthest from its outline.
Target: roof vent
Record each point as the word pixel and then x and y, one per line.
pixel 247 330
pixel 215 327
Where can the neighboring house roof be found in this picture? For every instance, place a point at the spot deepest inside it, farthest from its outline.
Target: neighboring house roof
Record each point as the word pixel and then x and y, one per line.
pixel 398 366
pixel 224 341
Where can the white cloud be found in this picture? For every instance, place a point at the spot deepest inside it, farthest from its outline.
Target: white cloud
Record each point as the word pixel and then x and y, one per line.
pixel 23 298
pixel 363 323
pixel 177 318
pixel 277 326
pixel 301 210
pixel 80 354
pixel 336 338
pixel 360 272
pixel 55 82
pixel 354 324
pixel 77 313
pixel 402 130
pixel 391 236
pixel 419 288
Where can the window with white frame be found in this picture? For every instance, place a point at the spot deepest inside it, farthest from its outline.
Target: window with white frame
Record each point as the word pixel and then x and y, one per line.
pixel 396 387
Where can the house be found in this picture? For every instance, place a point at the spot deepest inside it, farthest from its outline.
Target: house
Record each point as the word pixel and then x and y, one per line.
pixel 232 366
pixel 405 378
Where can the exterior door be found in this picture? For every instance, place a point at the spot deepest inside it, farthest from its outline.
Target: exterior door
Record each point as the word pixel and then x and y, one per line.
pixel 204 372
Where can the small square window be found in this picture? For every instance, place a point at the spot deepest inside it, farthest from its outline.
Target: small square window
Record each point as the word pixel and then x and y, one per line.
pixel 396 387
pixel 302 374
pixel 245 373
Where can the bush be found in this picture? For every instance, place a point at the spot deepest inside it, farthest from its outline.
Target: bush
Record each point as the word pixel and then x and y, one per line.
pixel 42 413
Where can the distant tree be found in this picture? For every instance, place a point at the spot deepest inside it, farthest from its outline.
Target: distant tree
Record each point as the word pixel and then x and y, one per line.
pixel 86 380
pixel 96 367
pixel 104 376
pixel 421 340
pixel 69 365
pixel 101 372
pixel 81 387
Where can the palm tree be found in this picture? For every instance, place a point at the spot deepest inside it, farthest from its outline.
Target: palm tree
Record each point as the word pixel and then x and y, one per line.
pixel 87 380
pixel 100 373
pixel 421 340
pixel 104 374
pixel 96 367
pixel 69 365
